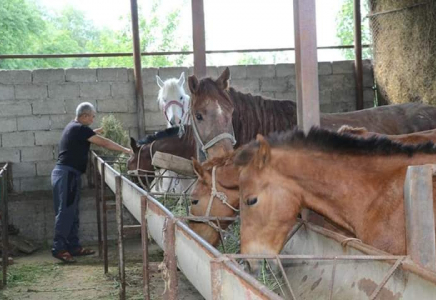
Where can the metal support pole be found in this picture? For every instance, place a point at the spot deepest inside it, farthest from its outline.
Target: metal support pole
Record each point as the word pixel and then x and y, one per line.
pixel 103 204
pixel 4 217
pixel 170 260
pixel 306 64
pixel 358 69
pixel 144 238
pixel 119 217
pixel 138 68
pixel 198 38
pixel 419 217
pixel 97 184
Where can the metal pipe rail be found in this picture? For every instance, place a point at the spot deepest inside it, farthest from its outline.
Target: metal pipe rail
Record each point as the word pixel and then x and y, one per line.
pixel 4 221
pixel 194 255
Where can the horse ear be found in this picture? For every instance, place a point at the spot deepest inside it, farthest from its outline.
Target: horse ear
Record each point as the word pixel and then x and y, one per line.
pixel 181 79
pixel 223 80
pixel 263 155
pixel 198 169
pixel 133 145
pixel 193 84
pixel 160 83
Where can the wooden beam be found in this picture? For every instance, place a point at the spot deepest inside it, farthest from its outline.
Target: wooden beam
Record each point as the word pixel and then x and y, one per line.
pixel 138 68
pixel 306 64
pixel 198 38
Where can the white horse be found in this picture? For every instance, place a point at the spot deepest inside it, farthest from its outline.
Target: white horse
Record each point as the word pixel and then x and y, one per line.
pixel 174 103
pixel 172 100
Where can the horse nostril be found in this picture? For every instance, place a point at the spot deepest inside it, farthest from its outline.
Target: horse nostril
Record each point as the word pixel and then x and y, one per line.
pixel 194 202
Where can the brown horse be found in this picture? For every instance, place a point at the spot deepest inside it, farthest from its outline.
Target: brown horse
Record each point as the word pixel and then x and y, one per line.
pixel 166 141
pixel 409 138
pixel 357 183
pixel 218 109
pixel 217 181
pixel 227 175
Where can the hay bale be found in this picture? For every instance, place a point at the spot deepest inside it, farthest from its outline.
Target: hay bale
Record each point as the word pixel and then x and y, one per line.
pixel 404 44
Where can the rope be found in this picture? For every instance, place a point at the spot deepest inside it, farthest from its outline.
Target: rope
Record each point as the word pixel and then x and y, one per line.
pixel 345 242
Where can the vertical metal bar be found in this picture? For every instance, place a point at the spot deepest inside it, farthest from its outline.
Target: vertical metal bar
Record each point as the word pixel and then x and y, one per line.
pixel 89 174
pixel 104 210
pixel 198 38
pixel 138 68
pixel 215 276
pixel 97 184
pixel 170 259
pixel 119 217
pixel 358 69
pixel 306 64
pixel 332 283
pixel 144 238
pixel 418 209
pixel 4 216
pixel 279 263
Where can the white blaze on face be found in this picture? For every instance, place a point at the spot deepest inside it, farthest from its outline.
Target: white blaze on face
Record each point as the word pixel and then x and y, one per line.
pixel 219 109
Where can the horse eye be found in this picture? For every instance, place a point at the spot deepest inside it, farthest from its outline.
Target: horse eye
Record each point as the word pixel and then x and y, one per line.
pixel 194 202
pixel 252 201
pixel 181 98
pixel 198 116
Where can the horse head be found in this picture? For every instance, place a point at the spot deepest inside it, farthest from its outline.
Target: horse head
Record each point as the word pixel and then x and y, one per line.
pixel 211 114
pixel 215 194
pixel 140 164
pixel 172 99
pixel 265 217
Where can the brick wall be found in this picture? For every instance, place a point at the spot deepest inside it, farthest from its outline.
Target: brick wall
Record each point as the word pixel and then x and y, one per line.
pixel 36 105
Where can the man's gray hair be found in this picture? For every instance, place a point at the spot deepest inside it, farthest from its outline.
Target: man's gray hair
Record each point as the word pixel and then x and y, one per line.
pixel 84 108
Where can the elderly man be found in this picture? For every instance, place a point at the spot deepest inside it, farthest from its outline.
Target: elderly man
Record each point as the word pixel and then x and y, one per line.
pixel 66 180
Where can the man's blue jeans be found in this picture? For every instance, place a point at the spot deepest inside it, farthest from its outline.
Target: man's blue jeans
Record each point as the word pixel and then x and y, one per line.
pixel 66 182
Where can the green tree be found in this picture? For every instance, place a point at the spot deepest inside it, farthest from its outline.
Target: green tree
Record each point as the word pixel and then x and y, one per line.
pixel 21 24
pixel 157 33
pixel 345 29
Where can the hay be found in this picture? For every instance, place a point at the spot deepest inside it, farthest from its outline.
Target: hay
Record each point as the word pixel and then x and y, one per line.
pixel 404 45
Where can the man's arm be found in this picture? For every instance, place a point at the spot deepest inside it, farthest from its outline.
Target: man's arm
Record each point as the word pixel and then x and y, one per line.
pixel 108 144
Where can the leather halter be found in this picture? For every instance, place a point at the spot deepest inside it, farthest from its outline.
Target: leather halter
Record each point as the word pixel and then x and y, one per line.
pixel 213 141
pixel 173 102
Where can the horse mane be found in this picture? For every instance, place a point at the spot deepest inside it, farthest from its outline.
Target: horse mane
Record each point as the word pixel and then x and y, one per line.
pixel 158 135
pixel 330 141
pixel 255 114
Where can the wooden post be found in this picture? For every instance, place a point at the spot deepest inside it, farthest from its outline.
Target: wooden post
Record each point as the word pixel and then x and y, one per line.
pixel 144 239
pixel 138 68
pixel 358 69
pixel 170 259
pixel 119 217
pixel 306 64
pixel 418 209
pixel 198 38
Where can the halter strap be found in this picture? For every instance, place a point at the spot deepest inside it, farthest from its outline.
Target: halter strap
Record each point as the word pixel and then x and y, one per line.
pixel 220 195
pixel 216 139
pixel 173 102
pixel 136 172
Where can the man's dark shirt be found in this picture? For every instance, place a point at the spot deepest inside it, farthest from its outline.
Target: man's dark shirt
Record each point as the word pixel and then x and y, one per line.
pixel 74 146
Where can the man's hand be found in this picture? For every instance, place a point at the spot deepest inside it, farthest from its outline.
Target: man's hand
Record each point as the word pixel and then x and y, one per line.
pixel 99 130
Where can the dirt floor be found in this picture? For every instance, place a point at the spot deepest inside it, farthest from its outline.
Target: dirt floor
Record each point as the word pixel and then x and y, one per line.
pixel 39 276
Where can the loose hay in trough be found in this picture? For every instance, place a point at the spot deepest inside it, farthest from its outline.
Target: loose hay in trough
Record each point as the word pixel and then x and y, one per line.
pixel 404 44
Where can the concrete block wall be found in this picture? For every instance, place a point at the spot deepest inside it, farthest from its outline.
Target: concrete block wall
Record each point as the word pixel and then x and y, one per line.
pixel 36 105
pixel 33 214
